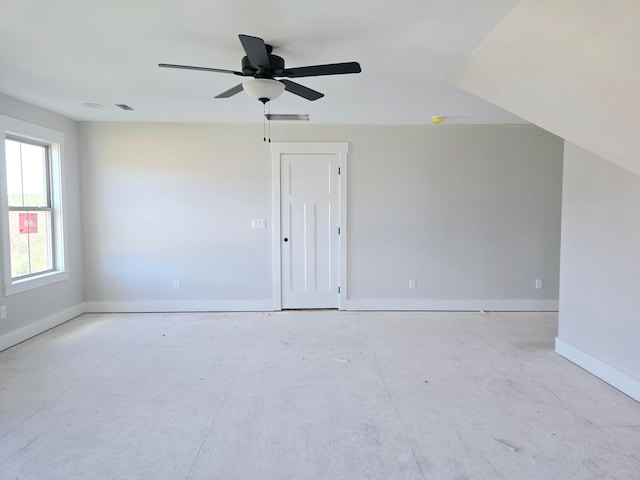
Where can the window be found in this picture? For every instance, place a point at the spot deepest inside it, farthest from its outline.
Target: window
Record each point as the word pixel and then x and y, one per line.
pixel 33 250
pixel 30 208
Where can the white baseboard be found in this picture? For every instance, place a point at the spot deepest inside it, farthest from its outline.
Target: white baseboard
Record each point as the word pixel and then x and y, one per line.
pixel 21 334
pixel 623 382
pixel 454 305
pixel 181 306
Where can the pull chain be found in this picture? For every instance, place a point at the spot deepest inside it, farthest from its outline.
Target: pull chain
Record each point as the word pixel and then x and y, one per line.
pixel 269 122
pixel 264 133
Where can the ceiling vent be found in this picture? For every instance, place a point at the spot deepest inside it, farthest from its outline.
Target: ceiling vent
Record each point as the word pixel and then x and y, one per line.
pixel 287 116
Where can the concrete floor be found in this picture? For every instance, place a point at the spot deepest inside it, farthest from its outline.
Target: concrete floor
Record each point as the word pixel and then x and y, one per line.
pixel 309 395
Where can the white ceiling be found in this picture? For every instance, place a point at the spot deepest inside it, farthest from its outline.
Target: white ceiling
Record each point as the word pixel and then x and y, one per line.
pixel 61 54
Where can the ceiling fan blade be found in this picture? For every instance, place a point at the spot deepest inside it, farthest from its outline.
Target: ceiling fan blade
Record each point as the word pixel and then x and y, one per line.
pixel 231 92
pixel 256 51
pixel 301 90
pixel 202 69
pixel 317 70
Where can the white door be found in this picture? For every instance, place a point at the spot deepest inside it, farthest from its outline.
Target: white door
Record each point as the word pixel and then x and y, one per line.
pixel 309 213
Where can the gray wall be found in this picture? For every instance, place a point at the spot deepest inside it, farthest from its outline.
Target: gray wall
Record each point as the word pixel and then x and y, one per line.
pixel 62 298
pixel 600 287
pixel 471 213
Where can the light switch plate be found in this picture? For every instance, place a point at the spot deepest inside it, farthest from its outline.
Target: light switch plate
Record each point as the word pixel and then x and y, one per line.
pixel 259 223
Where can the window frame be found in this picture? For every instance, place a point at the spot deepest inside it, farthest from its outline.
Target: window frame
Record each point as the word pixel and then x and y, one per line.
pixel 19 130
pixel 47 206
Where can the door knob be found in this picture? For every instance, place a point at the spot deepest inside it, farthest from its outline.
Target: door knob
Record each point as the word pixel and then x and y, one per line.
pixel 286 239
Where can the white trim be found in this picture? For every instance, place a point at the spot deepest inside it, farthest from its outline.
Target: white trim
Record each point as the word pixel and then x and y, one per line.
pixel 59 205
pixel 275 206
pixel 343 179
pixel 180 306
pixel 337 148
pixel 21 334
pixel 19 286
pixel 453 305
pixel 623 382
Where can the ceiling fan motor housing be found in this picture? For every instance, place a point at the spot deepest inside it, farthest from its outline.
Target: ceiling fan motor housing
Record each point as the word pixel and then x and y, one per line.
pixel 274 70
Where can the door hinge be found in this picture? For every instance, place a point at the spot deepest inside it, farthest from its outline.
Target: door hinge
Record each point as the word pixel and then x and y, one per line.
pixel 338 170
pixel 338 289
pixel 338 230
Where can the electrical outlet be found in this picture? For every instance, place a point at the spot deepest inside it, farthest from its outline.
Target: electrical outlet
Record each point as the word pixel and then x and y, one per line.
pixel 538 284
pixel 3 312
pixel 176 284
pixel 412 284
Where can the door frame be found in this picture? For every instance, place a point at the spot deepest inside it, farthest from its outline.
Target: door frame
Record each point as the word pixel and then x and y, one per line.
pixel 341 149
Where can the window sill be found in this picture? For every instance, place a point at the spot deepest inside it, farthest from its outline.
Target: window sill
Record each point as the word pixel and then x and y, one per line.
pixel 35 282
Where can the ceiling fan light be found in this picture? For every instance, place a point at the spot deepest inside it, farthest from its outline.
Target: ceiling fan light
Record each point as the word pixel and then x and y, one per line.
pixel 263 89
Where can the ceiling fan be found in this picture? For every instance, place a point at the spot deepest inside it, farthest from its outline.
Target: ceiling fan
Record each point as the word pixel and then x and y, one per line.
pixel 265 67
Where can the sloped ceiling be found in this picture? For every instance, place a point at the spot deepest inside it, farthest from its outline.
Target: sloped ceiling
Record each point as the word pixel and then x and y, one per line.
pixel 61 54
pixel 569 66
